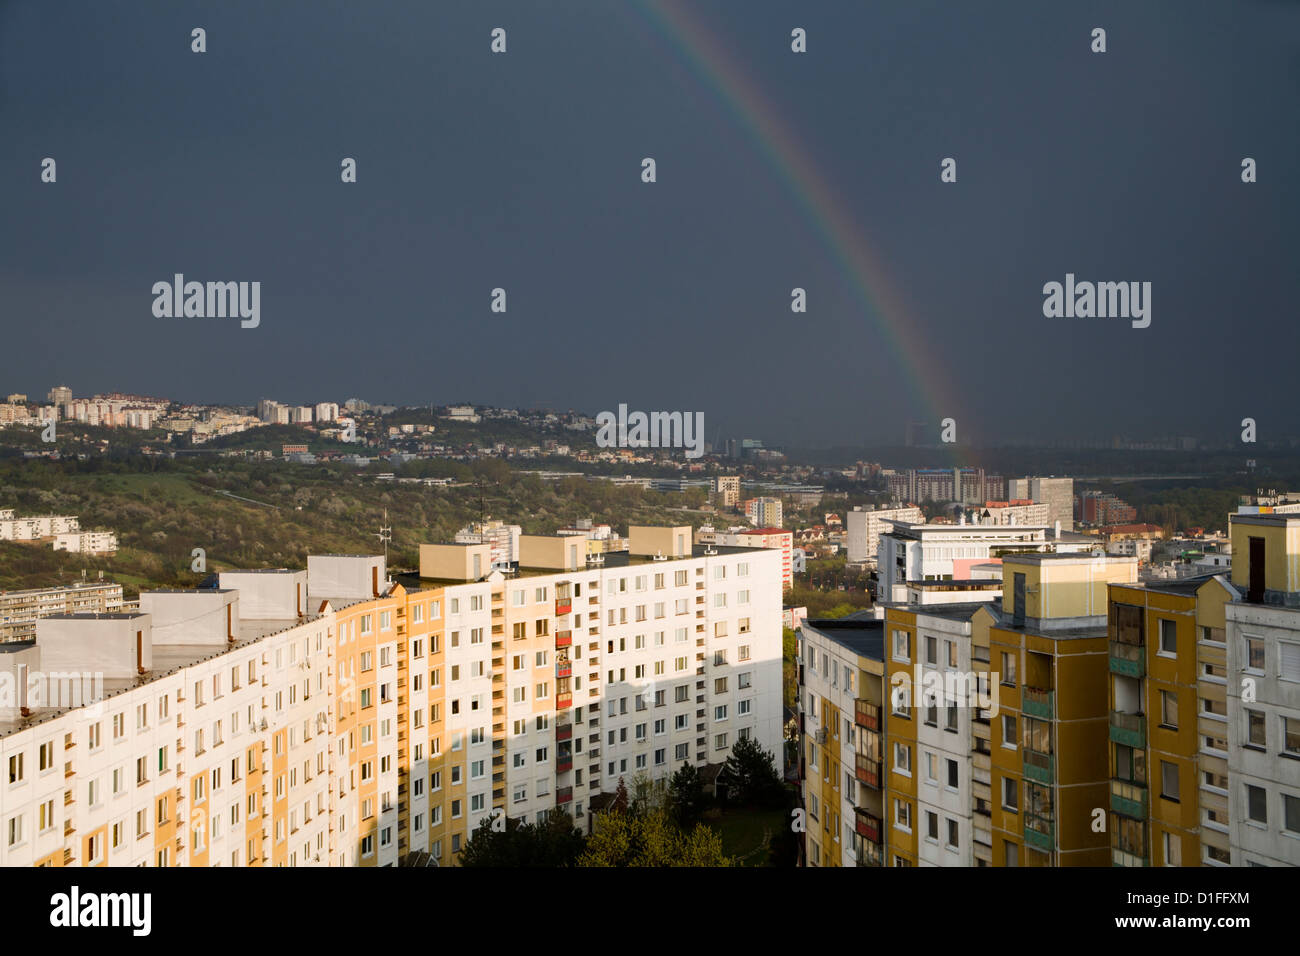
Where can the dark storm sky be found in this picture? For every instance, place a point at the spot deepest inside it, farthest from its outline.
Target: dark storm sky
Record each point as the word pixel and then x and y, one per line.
pixel 523 171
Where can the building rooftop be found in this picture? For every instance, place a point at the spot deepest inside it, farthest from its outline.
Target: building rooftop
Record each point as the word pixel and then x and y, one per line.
pixel 956 611
pixel 865 638
pixel 96 616
pixel 411 580
pixel 167 660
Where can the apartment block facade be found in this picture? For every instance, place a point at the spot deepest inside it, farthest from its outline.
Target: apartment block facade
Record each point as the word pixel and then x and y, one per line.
pixel 332 717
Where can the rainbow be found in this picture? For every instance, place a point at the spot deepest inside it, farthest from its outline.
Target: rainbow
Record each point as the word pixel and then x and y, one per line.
pixel 705 54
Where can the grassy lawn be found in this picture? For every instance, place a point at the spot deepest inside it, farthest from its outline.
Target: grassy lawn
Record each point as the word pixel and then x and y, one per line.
pixel 745 833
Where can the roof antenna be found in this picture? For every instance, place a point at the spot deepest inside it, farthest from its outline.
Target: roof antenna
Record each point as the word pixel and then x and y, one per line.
pixel 385 535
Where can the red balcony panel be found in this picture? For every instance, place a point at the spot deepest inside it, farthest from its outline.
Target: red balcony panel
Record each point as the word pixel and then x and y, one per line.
pixel 866 714
pixel 563 606
pixel 563 701
pixel 564 732
pixel 867 826
pixel 564 795
pixel 563 638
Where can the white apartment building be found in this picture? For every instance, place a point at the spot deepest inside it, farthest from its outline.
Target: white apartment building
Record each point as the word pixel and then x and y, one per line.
pixel 86 542
pixel 502 538
pixel 333 717
pixel 865 525
pixel 1056 493
pixel 620 665
pixel 20 610
pixel 1262 634
pixel 944 771
pixel 938 552
pixel 35 527
pixel 1003 513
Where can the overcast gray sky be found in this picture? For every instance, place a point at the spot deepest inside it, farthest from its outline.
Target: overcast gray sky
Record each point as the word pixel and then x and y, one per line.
pixel 775 170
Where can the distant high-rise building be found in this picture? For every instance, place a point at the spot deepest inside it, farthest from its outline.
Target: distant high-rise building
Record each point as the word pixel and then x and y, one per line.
pixel 1100 508
pixel 764 512
pixel 866 525
pixel 59 396
pixel 327 411
pixel 969 486
pixel 727 488
pixel 1056 493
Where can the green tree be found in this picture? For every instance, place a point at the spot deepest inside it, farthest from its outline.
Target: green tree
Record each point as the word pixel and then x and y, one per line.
pixel 789 668
pixel 686 795
pixel 750 774
pixel 620 801
pixel 651 839
pixel 553 843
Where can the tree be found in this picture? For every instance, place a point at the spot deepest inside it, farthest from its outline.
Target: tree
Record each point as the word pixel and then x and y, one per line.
pixel 789 668
pixel 686 795
pixel 619 804
pixel 651 839
pixel 750 774
pixel 553 843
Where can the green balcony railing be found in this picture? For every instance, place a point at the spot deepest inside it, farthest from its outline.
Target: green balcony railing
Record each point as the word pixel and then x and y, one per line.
pixel 1041 834
pixel 1037 702
pixel 1128 798
pixel 1128 659
pixel 1039 766
pixel 1128 729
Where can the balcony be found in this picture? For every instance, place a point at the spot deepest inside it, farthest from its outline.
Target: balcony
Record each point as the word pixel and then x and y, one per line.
pixel 1042 835
pixel 563 638
pixel 1128 798
pixel 563 701
pixel 563 764
pixel 563 795
pixel 868 771
pixel 563 669
pixel 1128 729
pixel 563 731
pixel 1120 857
pixel 866 714
pixel 1128 659
pixel 1039 766
pixel 563 606
pixel 1037 702
pixel 867 826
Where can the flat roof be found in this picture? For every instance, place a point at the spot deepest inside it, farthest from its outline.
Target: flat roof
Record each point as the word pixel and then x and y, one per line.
pixel 865 638
pixel 956 610
pixel 190 591
pixel 1274 518
pixel 612 559
pixel 96 616
pixel 1067 557
pixel 167 659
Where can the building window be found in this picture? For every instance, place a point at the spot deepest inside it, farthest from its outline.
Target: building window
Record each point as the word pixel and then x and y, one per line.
pixel 1256 804
pixel 1255 732
pixel 1169 780
pixel 1168 637
pixel 1253 654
